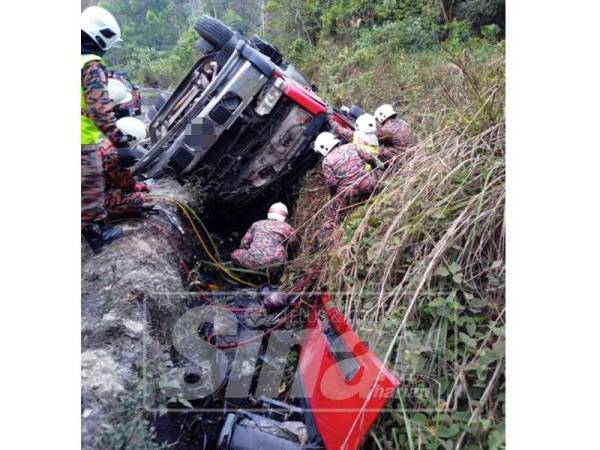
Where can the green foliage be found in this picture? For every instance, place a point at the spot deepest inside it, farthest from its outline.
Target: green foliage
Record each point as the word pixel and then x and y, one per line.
pixel 241 15
pixel 130 428
pixel 155 24
pixel 408 35
pixel 231 18
pixel 158 44
pixel 431 243
pixel 490 32
pixel 460 31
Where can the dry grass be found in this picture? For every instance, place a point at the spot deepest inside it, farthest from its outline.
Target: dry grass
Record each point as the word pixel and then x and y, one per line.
pixel 425 254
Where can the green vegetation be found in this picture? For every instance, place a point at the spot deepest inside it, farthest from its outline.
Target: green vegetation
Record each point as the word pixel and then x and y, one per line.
pixel 159 40
pixel 430 244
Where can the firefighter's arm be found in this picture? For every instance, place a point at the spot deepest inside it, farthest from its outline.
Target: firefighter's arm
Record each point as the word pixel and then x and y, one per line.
pixel 330 178
pixel 343 133
pixel 95 83
pixel 369 158
pixel 247 239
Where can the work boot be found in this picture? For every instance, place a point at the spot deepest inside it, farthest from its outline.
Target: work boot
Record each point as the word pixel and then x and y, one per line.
pixel 98 241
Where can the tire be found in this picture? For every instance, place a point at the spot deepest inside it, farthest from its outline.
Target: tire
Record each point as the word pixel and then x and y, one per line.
pixel 214 31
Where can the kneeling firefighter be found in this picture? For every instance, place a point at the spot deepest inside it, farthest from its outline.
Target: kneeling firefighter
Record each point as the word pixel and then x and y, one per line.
pixel 393 133
pixel 365 135
pixel 347 172
pixel 99 32
pixel 268 242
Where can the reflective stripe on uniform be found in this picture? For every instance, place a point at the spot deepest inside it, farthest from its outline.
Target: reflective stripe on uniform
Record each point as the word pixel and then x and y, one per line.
pixel 90 133
pixel 373 149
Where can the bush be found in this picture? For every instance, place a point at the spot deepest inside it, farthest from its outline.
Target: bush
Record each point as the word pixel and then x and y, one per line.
pixel 155 68
pixel 490 32
pixel 410 35
pixel 430 244
pixel 460 31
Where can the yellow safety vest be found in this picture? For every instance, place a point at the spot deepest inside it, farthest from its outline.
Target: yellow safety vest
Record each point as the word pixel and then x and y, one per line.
pixel 90 133
pixel 373 149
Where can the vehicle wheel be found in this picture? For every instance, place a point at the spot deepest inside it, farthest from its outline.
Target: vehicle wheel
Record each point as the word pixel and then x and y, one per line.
pixel 214 31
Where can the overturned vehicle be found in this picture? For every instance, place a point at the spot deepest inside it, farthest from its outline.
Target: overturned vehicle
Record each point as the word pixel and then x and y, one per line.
pixel 240 124
pixel 286 383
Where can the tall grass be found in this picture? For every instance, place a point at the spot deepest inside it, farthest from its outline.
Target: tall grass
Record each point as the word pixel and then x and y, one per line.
pixel 424 255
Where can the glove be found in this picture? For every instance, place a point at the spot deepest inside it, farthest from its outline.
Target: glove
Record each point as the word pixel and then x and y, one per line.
pixel 126 157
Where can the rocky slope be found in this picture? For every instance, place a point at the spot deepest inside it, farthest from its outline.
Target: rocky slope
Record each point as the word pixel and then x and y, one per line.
pixel 127 303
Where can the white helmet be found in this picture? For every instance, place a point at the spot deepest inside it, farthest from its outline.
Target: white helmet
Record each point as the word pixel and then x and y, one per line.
pixel 325 142
pixel 384 112
pixel 130 126
pixel 118 92
pixel 101 26
pixel 278 211
pixel 366 129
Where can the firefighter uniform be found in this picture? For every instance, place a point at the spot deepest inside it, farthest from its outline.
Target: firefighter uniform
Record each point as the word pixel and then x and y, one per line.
pixel 123 195
pixel 97 122
pixel 265 244
pixel 346 173
pixel 395 136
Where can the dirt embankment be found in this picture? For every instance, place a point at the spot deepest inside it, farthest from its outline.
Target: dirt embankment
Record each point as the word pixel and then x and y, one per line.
pixel 125 289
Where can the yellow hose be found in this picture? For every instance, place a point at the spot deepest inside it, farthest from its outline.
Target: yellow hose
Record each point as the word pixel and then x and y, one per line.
pixel 217 262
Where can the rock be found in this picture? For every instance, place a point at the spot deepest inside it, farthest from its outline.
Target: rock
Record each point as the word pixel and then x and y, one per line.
pixel 129 302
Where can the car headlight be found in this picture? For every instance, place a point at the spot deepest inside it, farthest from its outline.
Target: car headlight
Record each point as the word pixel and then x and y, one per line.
pixel 271 96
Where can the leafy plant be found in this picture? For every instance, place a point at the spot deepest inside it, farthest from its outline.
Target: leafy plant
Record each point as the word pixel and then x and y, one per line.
pixel 429 244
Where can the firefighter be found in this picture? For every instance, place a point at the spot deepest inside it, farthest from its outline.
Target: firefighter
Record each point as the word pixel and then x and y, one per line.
pixel 268 242
pixel 365 135
pixel 348 174
pixel 99 32
pixel 123 195
pixel 121 97
pixel 393 133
